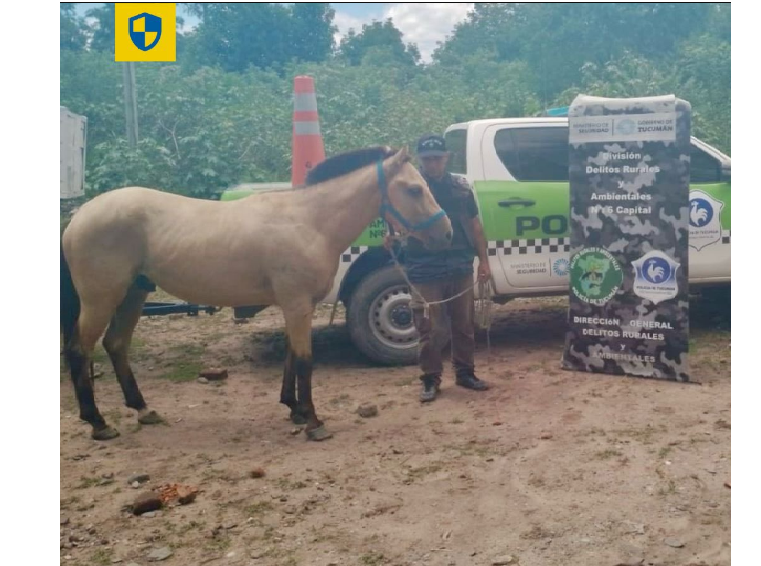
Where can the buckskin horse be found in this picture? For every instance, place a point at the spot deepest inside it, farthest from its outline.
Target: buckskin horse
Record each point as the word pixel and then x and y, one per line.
pixel 273 248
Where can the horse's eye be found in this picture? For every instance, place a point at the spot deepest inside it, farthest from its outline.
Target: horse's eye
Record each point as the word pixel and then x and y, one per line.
pixel 415 191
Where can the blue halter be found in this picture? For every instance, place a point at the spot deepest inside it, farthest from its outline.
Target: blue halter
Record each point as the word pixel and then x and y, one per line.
pixel 387 208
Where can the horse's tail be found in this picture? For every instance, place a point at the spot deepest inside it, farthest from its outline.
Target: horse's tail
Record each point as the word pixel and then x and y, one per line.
pixel 70 305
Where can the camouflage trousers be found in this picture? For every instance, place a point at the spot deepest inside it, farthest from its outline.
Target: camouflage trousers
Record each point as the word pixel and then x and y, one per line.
pixel 436 329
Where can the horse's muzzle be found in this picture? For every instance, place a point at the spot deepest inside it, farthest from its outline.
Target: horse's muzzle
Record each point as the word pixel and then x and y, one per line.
pixel 439 236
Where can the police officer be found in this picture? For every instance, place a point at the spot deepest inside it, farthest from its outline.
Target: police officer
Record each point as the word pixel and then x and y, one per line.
pixel 439 275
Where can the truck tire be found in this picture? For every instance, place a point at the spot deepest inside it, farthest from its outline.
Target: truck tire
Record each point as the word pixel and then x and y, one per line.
pixel 379 318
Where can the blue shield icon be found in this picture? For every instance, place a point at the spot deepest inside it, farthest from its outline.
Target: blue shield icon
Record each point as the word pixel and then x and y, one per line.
pixel 145 31
pixel 655 277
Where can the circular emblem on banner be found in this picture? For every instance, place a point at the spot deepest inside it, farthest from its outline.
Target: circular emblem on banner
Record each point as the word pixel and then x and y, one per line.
pixel 626 127
pixel 596 276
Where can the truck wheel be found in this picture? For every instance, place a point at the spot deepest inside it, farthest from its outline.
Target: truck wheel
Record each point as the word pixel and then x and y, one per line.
pixel 380 319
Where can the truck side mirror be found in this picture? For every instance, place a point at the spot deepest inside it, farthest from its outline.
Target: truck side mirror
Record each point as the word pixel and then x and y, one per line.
pixel 726 174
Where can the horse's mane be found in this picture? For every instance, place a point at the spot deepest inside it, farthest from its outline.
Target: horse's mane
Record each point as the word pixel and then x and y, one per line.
pixel 344 163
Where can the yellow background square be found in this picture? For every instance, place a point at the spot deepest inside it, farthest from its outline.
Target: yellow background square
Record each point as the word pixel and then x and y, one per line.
pixel 165 50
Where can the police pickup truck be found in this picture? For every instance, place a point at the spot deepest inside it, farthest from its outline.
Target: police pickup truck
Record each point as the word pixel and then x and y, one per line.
pixel 518 168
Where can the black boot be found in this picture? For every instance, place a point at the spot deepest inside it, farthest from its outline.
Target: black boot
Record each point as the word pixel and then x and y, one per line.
pixel 431 387
pixel 470 381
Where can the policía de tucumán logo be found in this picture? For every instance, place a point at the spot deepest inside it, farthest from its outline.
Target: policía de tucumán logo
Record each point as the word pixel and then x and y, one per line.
pixel 655 277
pixel 705 220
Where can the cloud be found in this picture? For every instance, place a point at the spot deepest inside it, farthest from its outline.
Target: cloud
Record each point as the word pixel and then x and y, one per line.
pixel 344 22
pixel 427 23
pixel 423 24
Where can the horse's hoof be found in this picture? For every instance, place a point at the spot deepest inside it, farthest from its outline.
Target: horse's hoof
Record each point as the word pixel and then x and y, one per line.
pixel 149 418
pixel 298 418
pixel 105 433
pixel 319 433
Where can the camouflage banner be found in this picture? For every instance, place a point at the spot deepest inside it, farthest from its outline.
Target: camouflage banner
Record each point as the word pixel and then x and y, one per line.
pixel 629 168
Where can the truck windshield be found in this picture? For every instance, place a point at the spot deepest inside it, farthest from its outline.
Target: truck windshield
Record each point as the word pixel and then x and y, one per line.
pixel 456 143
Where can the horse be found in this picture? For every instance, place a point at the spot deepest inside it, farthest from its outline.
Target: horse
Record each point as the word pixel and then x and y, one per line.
pixel 275 248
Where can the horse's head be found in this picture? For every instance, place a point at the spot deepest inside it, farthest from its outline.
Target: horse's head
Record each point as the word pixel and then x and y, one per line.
pixel 412 206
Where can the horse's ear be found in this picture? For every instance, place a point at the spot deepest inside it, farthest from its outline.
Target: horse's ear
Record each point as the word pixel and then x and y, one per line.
pixel 403 155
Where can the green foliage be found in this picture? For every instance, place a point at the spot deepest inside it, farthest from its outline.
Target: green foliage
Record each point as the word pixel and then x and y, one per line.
pixel 72 29
pixel 626 76
pixel 222 114
pixel 558 39
pixel 703 76
pixel 199 132
pixel 103 31
pixel 265 35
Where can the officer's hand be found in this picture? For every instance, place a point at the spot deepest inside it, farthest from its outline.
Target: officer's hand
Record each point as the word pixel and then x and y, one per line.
pixel 484 271
pixel 388 241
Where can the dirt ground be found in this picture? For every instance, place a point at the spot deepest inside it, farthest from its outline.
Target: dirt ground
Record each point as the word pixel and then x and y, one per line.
pixel 547 468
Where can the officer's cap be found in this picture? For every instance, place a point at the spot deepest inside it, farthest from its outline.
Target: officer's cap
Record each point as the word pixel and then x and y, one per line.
pixel 431 146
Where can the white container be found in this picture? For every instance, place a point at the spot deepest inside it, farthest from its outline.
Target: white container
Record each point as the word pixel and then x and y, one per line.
pixel 73 138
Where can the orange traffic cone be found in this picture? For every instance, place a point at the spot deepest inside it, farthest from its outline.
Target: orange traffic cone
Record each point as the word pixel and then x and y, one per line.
pixel 308 149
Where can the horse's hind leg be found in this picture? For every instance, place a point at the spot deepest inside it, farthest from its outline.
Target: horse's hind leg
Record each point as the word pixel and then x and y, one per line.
pixel 117 342
pixel 90 326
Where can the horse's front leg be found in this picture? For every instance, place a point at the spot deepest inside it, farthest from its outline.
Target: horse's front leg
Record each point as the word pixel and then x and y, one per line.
pixel 298 322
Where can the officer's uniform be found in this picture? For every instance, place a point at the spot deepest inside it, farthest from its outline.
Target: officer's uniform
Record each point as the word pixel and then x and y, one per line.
pixel 442 274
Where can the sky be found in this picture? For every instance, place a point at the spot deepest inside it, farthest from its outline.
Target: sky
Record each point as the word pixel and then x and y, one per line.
pixel 421 23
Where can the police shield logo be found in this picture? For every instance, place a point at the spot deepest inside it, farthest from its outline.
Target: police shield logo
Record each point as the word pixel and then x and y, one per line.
pixel 705 220
pixel 145 31
pixel 655 277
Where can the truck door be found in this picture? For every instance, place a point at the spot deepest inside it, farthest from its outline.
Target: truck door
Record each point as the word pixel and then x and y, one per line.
pixel 710 214
pixel 525 202
pixel 457 143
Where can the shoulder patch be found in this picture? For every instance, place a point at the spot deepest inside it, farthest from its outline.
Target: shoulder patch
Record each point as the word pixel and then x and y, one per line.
pixel 461 182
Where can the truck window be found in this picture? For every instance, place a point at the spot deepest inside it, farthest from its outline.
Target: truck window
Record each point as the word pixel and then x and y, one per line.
pixel 704 168
pixel 534 154
pixel 456 142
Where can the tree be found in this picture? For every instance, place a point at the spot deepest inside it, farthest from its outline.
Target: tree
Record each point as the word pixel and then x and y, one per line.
pixel 263 35
pixel 703 71
pixel 225 118
pixel 557 39
pixel 378 37
pixel 488 29
pixel 312 30
pixel 73 37
pixel 103 30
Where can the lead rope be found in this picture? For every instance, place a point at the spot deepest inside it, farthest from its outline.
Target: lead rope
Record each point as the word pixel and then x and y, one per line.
pixel 482 306
pixel 483 303
pixel 483 314
pixel 413 289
